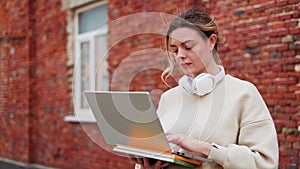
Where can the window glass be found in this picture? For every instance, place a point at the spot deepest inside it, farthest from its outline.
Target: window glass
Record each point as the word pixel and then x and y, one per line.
pixel 101 64
pixel 85 72
pixel 92 19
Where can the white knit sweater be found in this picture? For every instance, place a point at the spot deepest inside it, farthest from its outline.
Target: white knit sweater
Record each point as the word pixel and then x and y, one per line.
pixel 233 117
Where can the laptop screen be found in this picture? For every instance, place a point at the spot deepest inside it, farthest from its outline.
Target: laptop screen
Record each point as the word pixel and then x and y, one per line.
pixel 127 118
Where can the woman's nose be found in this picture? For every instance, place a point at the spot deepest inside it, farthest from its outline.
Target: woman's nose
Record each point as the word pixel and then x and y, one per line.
pixel 181 53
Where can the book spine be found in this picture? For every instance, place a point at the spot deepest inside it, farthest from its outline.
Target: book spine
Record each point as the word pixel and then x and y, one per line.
pixel 186 164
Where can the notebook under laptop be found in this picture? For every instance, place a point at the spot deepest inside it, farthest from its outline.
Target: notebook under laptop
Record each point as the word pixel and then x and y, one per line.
pixel 128 121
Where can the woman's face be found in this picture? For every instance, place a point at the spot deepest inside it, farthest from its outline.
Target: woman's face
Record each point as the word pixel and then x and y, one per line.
pixel 191 52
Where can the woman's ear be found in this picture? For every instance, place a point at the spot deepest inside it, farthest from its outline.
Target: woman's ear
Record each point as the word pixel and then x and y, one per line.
pixel 212 41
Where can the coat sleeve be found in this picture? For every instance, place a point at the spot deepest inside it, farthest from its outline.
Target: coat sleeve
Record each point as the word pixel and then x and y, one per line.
pixel 257 145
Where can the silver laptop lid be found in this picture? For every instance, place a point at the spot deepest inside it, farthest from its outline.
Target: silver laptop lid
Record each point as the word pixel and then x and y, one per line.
pixel 127 118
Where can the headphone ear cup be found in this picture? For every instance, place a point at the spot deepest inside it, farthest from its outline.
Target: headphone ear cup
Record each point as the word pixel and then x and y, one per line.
pixel 203 84
pixel 186 83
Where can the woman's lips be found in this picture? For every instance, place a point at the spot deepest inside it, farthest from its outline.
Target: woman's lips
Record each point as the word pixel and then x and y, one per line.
pixel 185 65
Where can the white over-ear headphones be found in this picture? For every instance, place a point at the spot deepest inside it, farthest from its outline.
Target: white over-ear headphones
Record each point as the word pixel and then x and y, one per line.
pixel 202 84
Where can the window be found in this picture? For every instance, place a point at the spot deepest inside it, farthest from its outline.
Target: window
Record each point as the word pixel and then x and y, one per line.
pixel 90 69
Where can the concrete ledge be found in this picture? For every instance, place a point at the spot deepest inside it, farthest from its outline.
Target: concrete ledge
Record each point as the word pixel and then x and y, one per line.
pixel 11 164
pixel 69 4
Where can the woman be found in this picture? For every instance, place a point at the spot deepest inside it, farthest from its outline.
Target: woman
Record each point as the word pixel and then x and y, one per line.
pixel 211 114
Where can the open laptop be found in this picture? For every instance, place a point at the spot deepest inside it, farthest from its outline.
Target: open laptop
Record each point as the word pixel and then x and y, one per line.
pixel 128 121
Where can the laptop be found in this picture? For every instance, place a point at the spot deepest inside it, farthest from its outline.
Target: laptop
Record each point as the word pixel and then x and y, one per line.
pixel 128 121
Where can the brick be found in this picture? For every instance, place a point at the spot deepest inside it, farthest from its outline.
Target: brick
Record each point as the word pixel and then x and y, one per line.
pixel 294 31
pixel 278 24
pixel 286 17
pixel 275 40
pixel 281 81
pixel 285 160
pixel 294 88
pixel 293 1
pixel 283 47
pixel 296 144
pixel 281 2
pixel 279 32
pixel 291 23
pixel 292 153
pixel 289 53
pixel 43 96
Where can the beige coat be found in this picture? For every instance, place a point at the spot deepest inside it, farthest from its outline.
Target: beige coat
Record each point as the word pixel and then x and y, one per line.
pixel 233 117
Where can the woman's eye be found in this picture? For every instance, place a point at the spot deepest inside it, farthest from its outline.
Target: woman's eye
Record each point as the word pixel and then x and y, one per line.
pixel 188 47
pixel 174 50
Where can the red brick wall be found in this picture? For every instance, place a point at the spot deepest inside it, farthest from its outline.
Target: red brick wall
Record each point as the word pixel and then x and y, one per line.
pixel 35 94
pixel 262 46
pixel 15 80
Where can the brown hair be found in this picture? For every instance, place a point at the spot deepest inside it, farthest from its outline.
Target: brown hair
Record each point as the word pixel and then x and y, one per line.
pixel 199 20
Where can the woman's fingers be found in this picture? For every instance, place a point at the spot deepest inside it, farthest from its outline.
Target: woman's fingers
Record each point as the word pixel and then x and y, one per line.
pixel 160 164
pixel 139 161
pixel 146 163
pixel 157 164
pixel 175 138
pixel 153 164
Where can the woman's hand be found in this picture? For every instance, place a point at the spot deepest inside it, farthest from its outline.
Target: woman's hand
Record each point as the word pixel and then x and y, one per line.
pixel 189 143
pixel 148 163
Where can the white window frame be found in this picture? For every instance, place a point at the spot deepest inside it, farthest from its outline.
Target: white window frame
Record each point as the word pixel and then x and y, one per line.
pixel 84 115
